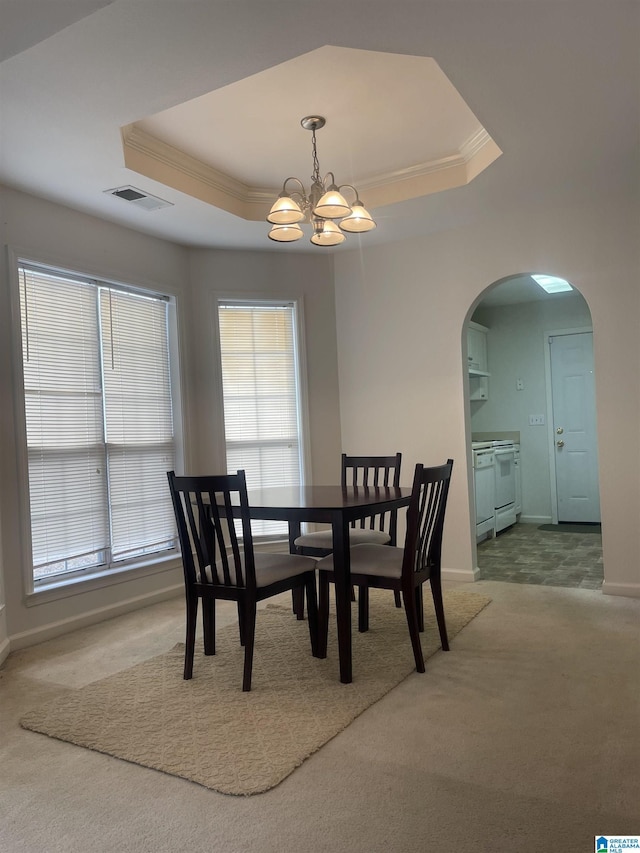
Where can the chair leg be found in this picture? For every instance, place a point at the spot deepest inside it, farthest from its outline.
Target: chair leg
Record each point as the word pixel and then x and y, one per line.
pixel 409 600
pixel 396 598
pixel 323 613
pixel 297 595
pixel 190 640
pixel 209 625
pixel 436 591
pixel 420 608
pixel 241 620
pixel 249 637
pixel 312 614
pixel 363 609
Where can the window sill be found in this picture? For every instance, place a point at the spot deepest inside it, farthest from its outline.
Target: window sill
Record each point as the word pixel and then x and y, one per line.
pixel 66 587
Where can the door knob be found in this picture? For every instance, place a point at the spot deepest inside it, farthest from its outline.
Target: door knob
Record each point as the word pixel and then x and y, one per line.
pixel 559 430
pixel 560 443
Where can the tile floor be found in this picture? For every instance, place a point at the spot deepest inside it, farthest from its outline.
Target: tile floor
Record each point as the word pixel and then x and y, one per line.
pixel 525 554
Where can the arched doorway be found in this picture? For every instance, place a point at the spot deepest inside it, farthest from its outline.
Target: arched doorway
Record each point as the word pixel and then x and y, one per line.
pixel 511 400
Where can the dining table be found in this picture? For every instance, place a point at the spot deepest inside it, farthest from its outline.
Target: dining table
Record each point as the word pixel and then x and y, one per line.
pixel 338 506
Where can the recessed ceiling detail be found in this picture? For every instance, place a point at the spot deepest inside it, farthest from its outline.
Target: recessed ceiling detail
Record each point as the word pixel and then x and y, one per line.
pixel 396 128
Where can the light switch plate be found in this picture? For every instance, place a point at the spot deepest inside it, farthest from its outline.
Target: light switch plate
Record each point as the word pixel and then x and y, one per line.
pixel 536 420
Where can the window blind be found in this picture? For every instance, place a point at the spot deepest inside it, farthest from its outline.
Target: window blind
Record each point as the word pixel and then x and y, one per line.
pixel 138 421
pixel 261 396
pixel 99 422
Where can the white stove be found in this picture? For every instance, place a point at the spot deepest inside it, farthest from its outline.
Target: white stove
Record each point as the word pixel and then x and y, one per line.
pixel 486 445
pixel 498 458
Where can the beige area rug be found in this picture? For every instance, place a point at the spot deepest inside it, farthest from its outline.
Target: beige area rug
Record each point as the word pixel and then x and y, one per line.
pixel 210 732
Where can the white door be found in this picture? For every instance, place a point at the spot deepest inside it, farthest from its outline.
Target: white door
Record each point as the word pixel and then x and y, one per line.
pixel 574 427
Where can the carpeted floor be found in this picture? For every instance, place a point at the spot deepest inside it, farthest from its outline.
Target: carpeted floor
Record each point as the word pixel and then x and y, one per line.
pixel 523 737
pixel 210 732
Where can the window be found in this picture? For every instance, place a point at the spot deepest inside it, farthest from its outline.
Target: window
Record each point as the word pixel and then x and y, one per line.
pixel 99 422
pixel 261 395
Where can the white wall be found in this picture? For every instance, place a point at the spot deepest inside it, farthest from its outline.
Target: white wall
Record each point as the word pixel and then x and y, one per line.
pixel 45 232
pixel 402 311
pixel 516 350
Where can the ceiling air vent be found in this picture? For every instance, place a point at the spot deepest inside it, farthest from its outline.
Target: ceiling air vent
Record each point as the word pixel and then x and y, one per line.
pixel 139 198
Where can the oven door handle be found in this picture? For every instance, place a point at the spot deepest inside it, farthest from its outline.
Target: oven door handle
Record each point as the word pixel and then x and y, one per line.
pixel 510 452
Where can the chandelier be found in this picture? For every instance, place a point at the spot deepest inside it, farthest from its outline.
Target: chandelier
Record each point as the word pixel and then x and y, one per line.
pixel 323 206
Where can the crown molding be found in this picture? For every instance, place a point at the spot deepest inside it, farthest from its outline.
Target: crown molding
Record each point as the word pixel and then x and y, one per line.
pixel 155 159
pixel 150 156
pixel 449 172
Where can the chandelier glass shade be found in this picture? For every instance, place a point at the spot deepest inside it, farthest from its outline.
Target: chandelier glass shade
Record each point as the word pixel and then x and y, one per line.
pixel 323 206
pixel 286 233
pixel 327 233
pixel 285 211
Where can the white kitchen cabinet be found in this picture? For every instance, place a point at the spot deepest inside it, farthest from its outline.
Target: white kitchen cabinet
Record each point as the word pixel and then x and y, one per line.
pixel 477 361
pixel 477 347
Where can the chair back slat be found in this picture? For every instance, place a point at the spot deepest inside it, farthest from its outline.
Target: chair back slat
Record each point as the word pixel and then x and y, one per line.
pixel 184 522
pixel 425 519
pixel 214 528
pixel 200 522
pixel 430 504
pixel 373 472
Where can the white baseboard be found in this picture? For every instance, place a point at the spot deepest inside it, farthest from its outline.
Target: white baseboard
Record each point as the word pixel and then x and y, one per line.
pixel 461 575
pixel 630 590
pixel 535 519
pixel 5 648
pixel 92 617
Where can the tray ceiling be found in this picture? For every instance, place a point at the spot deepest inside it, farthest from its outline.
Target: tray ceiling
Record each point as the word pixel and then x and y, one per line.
pixel 396 129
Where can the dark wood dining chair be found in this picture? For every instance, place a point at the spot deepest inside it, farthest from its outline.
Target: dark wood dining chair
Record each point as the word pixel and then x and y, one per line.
pixel 377 529
pixel 219 562
pixel 403 570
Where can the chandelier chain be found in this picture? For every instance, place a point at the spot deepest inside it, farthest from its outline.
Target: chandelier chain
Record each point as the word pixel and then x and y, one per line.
pixel 316 163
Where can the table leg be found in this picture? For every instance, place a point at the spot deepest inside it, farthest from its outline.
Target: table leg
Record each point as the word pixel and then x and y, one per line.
pixel 294 532
pixel 297 594
pixel 342 579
